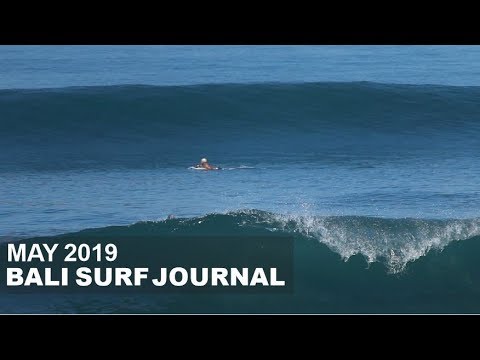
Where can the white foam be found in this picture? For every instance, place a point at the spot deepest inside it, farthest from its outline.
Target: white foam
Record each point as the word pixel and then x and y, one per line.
pixel 396 242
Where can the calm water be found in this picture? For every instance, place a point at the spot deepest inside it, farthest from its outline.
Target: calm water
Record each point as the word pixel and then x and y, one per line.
pixel 61 66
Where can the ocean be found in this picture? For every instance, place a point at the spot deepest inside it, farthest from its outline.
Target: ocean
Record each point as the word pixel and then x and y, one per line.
pixel 366 155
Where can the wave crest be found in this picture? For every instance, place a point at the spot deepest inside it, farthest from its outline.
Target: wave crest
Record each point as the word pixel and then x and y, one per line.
pixel 393 242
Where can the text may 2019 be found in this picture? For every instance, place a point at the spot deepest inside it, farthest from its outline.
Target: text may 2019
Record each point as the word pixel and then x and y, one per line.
pixel 121 276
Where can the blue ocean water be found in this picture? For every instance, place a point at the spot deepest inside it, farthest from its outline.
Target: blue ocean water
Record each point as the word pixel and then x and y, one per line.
pixel 62 66
pixel 369 150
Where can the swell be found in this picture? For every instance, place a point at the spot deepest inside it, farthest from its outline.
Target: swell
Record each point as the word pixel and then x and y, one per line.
pixel 202 106
pixel 394 243
pixel 135 125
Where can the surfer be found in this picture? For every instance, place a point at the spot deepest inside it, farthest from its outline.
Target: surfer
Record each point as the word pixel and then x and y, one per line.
pixel 204 164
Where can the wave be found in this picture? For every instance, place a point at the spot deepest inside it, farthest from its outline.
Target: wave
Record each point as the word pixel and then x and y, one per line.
pixel 341 265
pixel 143 125
pixel 393 243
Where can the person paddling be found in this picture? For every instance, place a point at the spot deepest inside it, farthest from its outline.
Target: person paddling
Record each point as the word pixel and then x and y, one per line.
pixel 204 164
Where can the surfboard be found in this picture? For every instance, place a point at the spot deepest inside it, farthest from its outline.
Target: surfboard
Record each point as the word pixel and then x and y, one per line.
pixel 202 169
